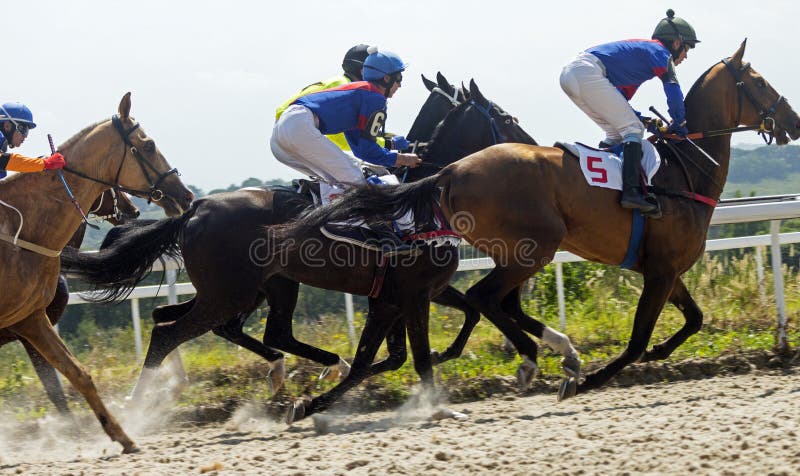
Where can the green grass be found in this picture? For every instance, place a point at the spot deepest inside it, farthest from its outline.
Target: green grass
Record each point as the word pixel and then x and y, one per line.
pixel 600 307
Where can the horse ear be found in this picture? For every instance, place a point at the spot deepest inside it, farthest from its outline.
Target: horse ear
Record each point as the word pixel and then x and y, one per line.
pixel 125 106
pixel 736 59
pixel 428 83
pixel 476 93
pixel 443 84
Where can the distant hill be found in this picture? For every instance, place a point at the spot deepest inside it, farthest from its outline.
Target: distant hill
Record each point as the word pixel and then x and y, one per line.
pixel 765 170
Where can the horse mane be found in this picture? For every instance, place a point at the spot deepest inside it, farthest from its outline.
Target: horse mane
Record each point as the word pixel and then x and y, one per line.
pixel 699 81
pixel 71 141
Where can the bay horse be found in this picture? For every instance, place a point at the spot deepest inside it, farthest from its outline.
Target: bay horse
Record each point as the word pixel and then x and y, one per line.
pixel 230 283
pixel 112 153
pixel 520 203
pixel 116 208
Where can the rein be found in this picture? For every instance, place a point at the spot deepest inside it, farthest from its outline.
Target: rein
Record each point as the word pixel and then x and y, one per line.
pixel 154 194
pixel 766 129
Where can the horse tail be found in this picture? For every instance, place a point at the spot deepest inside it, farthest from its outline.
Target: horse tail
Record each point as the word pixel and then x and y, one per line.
pixel 124 262
pixel 371 203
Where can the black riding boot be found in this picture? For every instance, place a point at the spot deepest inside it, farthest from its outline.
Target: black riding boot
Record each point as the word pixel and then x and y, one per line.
pixel 632 195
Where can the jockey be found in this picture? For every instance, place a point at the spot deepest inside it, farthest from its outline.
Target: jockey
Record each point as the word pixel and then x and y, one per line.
pixel 15 122
pixel 603 78
pixel 352 64
pixel 358 110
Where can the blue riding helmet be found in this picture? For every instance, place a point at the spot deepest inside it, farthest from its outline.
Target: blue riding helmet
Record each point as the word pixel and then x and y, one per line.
pixel 381 63
pixel 16 112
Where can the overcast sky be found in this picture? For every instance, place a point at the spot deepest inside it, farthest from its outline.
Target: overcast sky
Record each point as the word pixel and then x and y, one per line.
pixel 206 76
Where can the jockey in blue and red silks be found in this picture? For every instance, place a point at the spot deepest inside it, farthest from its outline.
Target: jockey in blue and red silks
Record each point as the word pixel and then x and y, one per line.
pixel 358 110
pixel 603 78
pixel 15 122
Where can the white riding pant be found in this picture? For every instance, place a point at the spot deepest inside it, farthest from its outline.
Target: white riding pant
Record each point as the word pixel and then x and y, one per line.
pixel 297 142
pixel 585 82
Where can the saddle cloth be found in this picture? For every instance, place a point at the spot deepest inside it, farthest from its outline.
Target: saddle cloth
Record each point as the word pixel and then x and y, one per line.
pixel 603 168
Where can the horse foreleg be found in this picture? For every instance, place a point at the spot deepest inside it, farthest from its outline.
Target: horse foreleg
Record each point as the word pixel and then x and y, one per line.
pixel 233 331
pixel 382 316
pixel 416 318
pixel 47 374
pixel 282 299
pixel 681 299
pixel 37 330
pixel 657 288
pixel 452 297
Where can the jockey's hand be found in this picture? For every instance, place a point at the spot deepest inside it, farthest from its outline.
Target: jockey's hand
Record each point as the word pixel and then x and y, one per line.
pixel 678 128
pixel 400 143
pixel 653 126
pixel 55 161
pixel 407 160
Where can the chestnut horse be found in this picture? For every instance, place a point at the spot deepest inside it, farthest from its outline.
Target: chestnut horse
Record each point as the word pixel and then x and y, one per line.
pixel 116 208
pixel 520 203
pixel 112 153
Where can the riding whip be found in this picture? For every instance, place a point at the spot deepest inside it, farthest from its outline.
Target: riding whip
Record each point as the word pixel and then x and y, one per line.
pixel 66 187
pixel 660 116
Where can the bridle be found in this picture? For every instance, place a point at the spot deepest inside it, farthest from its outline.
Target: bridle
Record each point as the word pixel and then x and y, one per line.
pixel 766 114
pixel 766 128
pixel 116 212
pixel 154 194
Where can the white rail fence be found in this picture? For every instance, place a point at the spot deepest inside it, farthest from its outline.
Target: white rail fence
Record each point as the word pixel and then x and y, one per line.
pixel 738 211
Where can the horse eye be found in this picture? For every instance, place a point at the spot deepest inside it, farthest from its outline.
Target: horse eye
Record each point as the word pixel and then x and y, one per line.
pixel 761 83
pixel 149 147
pixel 508 121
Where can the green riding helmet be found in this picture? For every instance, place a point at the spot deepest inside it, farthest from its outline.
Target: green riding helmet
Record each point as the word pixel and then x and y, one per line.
pixel 672 27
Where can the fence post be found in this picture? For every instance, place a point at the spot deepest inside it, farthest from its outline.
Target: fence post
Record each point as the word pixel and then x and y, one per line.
pixel 351 329
pixel 777 277
pixel 762 291
pixel 137 328
pixel 562 308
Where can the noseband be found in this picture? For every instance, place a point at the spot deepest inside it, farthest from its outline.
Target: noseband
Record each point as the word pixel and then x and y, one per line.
pixel 154 194
pixel 766 114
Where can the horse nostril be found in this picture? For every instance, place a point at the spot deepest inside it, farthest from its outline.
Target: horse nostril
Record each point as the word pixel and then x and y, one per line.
pixel 136 214
pixel 189 196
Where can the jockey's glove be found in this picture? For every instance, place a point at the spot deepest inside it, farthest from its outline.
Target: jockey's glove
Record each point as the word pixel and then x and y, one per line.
pixel 55 161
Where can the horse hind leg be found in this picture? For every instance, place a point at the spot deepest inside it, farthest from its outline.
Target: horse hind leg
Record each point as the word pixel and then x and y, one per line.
pixel 559 342
pixel 37 330
pixel 451 297
pixel 693 316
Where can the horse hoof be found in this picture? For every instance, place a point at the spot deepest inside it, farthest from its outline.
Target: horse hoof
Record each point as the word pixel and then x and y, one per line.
pixel 567 389
pixel 338 371
pixel 276 375
pixel 130 449
pixel 298 410
pixel 571 366
pixel 526 373
pixel 436 357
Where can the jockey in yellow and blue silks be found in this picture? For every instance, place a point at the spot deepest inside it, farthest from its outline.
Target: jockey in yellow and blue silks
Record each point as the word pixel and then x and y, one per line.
pixel 351 66
pixel 16 120
pixel 356 109
pixel 603 78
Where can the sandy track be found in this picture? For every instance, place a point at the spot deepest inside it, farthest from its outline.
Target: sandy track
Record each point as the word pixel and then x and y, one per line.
pixel 743 424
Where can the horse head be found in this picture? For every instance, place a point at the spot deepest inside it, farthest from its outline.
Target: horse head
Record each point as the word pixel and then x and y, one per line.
pixel 443 97
pixel 469 127
pixel 148 175
pixel 743 97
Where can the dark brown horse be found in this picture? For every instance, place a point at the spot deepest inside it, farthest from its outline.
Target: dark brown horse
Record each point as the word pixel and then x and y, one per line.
pixel 114 207
pixel 520 203
pixel 231 282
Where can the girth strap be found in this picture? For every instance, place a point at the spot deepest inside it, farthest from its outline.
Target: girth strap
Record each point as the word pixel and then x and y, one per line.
pixel 30 246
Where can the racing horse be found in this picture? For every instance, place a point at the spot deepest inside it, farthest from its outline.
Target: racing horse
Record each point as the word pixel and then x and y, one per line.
pixel 232 283
pixel 40 220
pixel 545 203
pixel 116 208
